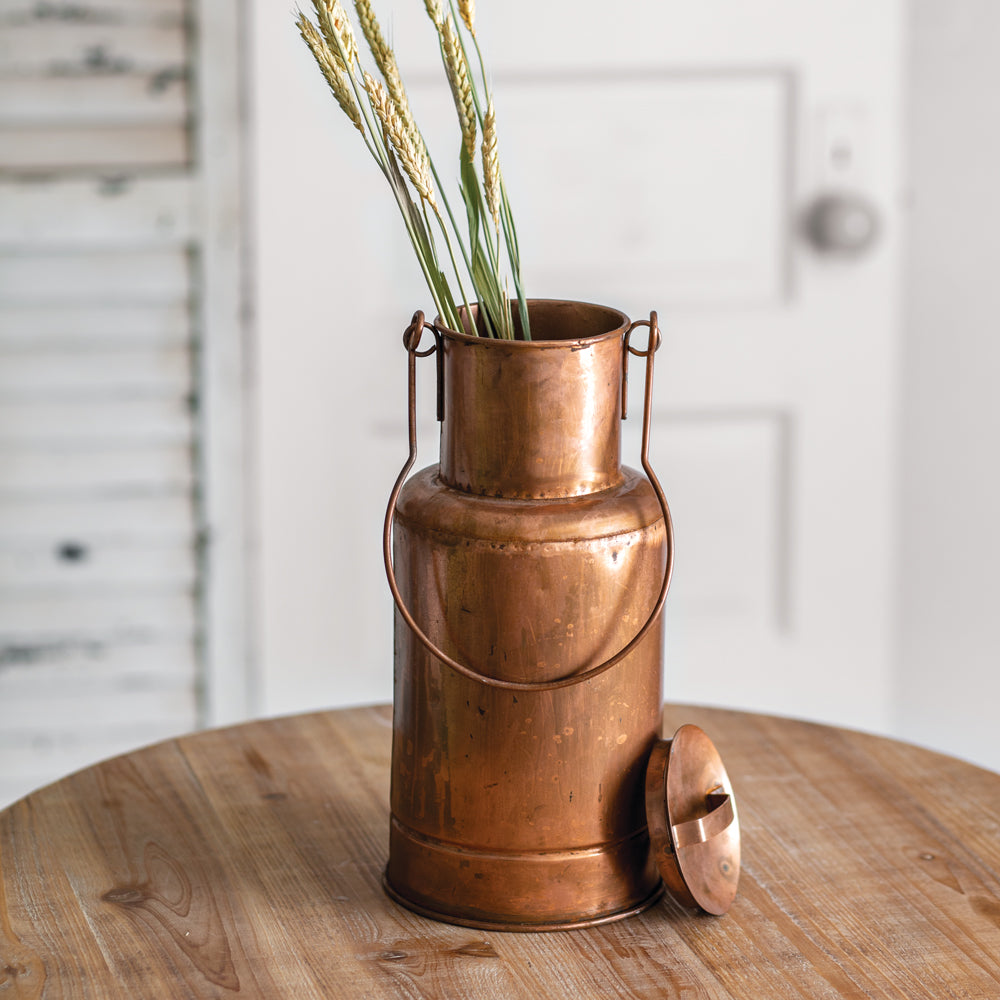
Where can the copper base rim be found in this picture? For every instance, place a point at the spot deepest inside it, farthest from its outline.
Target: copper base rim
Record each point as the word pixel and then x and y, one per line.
pixel 524 927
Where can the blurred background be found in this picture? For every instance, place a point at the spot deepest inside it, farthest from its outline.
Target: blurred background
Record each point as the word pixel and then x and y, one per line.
pixel 203 285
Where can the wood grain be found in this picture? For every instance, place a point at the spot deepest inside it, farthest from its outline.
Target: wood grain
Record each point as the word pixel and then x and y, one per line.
pixel 247 861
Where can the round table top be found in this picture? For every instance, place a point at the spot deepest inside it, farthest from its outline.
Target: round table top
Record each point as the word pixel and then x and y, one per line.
pixel 248 861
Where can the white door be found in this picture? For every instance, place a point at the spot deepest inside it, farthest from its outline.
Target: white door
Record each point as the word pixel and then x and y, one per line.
pixel 660 156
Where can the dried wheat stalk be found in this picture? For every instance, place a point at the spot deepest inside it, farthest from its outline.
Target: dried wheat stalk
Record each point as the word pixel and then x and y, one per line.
pixel 434 11
pixel 330 66
pixel 379 108
pixel 467 8
pixel 385 59
pixel 337 33
pixel 457 72
pixel 409 156
pixel 491 164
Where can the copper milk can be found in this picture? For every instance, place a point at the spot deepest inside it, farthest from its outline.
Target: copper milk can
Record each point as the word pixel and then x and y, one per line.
pixel 529 570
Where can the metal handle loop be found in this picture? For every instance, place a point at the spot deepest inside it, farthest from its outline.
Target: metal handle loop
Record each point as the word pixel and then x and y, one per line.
pixel 411 340
pixel 717 819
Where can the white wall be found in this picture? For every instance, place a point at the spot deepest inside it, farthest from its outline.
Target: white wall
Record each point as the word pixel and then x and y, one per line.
pixel 948 674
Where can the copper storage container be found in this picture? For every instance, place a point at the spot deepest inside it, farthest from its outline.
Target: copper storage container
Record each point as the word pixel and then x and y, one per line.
pixel 528 558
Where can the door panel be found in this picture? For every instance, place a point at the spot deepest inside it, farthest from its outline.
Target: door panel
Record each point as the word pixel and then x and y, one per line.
pixel 702 158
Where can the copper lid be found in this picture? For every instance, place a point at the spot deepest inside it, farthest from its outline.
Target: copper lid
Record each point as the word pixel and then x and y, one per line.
pixel 693 827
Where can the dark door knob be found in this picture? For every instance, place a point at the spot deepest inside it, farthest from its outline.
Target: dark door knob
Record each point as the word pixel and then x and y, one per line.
pixel 841 223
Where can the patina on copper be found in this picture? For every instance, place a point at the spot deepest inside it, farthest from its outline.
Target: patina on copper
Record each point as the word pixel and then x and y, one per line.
pixel 529 569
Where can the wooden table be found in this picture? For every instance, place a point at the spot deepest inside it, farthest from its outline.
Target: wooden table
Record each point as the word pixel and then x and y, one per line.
pixel 247 862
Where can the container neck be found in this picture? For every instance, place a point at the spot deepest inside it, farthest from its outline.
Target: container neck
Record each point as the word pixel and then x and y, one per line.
pixel 538 420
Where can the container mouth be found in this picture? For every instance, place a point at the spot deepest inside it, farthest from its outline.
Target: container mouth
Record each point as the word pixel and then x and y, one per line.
pixel 553 321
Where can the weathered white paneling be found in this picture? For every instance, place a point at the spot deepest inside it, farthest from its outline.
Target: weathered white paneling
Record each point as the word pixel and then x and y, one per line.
pixel 157 613
pixel 160 515
pixel 99 276
pixel 142 421
pixel 65 48
pixel 36 758
pixel 52 562
pixel 44 325
pixel 168 12
pixel 149 371
pixel 109 147
pixel 89 715
pixel 95 212
pixel 106 226
pixel 67 722
pixel 83 661
pixel 123 100
pixel 51 471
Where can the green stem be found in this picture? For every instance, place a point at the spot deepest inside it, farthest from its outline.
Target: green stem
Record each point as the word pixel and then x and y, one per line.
pixel 458 237
pixel 380 150
pixel 458 276
pixel 483 256
pixel 451 315
pixel 421 246
pixel 507 216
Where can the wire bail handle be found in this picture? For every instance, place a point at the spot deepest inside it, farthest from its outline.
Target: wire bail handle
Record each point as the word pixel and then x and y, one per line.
pixel 411 341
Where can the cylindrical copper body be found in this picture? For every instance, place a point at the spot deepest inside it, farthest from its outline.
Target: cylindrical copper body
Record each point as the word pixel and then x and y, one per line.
pixel 529 554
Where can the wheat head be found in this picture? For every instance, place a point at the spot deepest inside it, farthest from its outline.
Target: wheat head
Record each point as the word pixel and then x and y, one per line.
pixel 336 30
pixel 372 32
pixel 491 164
pixel 330 68
pixel 385 59
pixel 467 8
pixel 414 164
pixel 461 88
pixel 434 11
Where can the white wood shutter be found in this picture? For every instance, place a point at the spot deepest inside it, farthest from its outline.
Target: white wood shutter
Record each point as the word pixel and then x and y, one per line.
pixel 119 326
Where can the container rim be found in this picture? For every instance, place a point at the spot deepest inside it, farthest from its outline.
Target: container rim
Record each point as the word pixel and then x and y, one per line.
pixel 614 316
